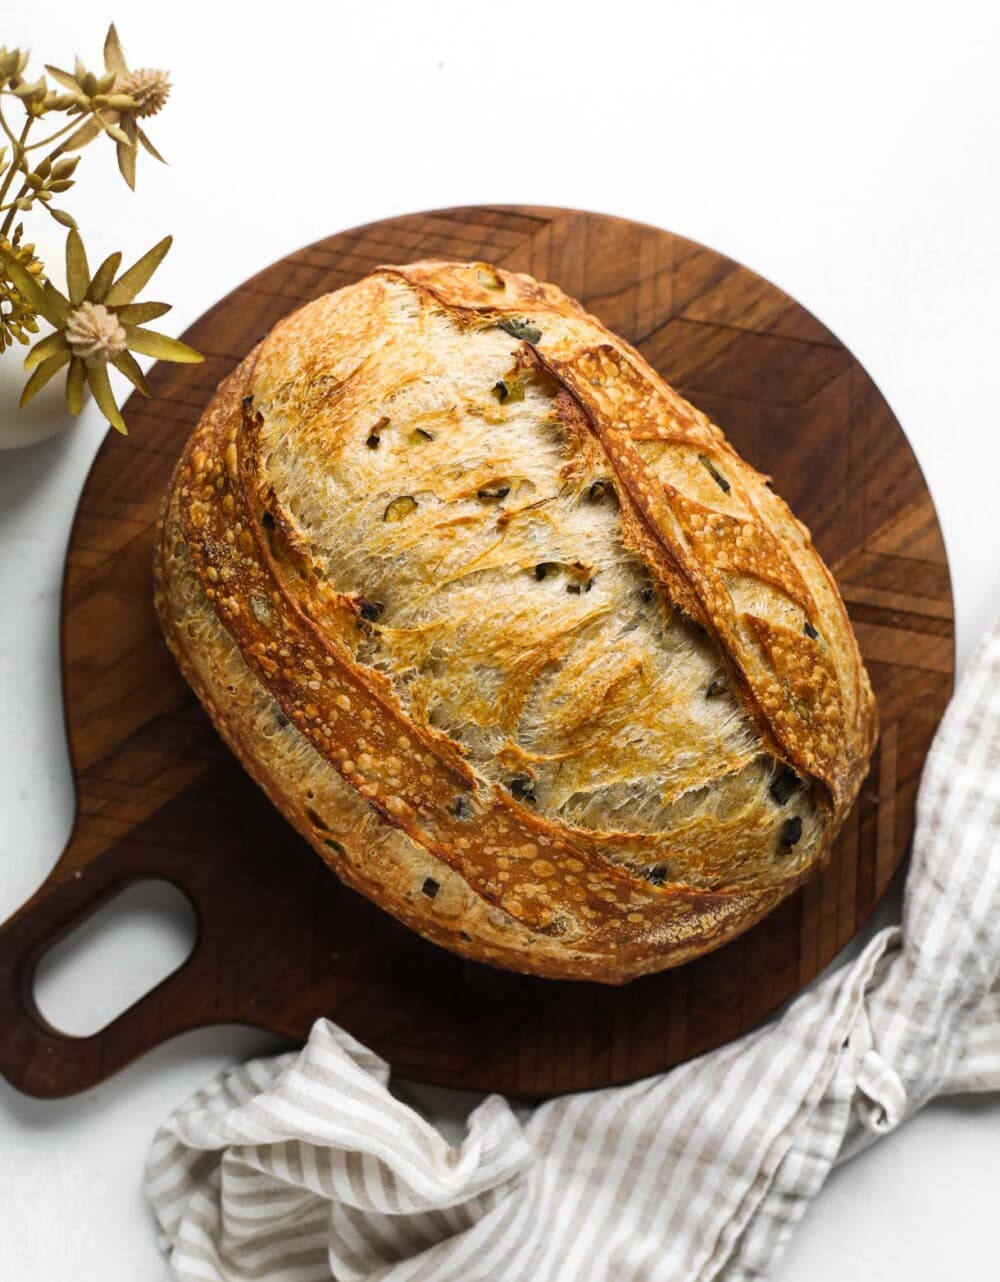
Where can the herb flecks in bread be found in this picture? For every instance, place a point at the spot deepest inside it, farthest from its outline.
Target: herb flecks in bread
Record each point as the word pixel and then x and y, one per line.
pixel 553 649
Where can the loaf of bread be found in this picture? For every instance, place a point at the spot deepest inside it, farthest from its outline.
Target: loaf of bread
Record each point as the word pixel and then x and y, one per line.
pixel 508 630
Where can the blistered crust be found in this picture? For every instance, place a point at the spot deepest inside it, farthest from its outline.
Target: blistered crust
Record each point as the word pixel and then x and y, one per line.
pixel 550 883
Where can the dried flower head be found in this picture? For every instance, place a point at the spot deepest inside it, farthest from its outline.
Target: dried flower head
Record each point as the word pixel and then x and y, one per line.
pixel 114 103
pixel 98 325
pixel 149 88
pixel 95 334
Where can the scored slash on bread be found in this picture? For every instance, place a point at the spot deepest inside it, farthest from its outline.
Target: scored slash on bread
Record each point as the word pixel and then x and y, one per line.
pixel 508 630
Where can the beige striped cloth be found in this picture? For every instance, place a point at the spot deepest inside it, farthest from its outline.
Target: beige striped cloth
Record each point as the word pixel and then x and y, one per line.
pixel 306 1167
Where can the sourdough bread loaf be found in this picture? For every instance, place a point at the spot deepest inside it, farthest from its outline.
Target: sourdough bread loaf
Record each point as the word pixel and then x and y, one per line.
pixel 508 630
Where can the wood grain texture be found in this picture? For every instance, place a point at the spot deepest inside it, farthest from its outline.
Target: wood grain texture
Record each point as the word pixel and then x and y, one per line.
pixel 280 941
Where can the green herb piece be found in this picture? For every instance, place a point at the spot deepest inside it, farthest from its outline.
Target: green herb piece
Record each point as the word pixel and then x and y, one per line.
pixel 714 473
pixel 521 329
pixel 400 508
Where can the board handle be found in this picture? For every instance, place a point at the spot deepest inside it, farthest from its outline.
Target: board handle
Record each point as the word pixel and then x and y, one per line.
pixel 39 1059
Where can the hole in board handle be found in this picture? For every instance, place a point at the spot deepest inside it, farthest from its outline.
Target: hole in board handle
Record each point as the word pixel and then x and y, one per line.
pixel 124 949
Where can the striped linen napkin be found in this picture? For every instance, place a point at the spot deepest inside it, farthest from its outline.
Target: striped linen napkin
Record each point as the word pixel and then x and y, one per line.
pixel 306 1167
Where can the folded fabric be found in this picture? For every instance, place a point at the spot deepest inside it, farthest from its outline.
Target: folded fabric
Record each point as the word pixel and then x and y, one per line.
pixel 307 1167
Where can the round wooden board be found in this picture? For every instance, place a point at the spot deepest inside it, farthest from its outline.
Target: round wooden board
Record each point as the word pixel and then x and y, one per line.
pixel 280 941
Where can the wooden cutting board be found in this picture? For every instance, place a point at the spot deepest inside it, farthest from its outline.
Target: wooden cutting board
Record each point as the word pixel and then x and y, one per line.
pixel 280 941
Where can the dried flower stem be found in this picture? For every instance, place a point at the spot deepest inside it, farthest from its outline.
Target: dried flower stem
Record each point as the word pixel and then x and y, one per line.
pixel 44 142
pixel 7 129
pixel 18 142
pixel 22 148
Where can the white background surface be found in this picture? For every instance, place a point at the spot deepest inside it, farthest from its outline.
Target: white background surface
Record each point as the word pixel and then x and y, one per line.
pixel 846 151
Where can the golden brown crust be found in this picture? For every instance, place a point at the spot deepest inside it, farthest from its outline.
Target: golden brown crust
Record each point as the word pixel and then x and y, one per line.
pixel 566 897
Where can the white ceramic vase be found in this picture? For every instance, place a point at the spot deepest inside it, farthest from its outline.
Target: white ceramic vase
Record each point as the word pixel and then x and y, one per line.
pixel 43 417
